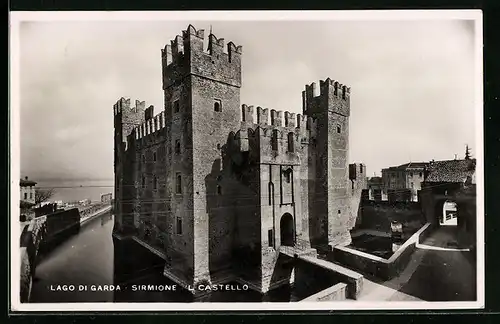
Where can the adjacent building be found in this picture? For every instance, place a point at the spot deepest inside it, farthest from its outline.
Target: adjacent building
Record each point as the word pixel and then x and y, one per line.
pixel 106 198
pixel 219 187
pixel 27 190
pixel 404 181
pixel 375 188
pixel 446 178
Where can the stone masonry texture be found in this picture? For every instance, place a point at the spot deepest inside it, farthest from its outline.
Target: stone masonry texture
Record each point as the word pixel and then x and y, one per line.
pixel 219 186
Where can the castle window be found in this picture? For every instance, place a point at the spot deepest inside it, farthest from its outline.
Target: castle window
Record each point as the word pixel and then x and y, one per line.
pixel 217 105
pixel 288 176
pixel 290 142
pixel 25 195
pixel 177 146
pixel 156 125
pixel 361 168
pixel 343 92
pixel 274 140
pixel 339 129
pixel 143 182
pixel 178 226
pixel 176 106
pixel 219 190
pixel 155 183
pixel 178 183
pixel 143 158
pixel 270 237
pixel 154 156
pixel 420 174
pixel 338 211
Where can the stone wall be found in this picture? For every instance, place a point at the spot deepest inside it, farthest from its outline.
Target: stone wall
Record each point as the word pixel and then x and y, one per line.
pixel 377 215
pixel 61 221
pixel 26 276
pixel 378 267
pixel 336 292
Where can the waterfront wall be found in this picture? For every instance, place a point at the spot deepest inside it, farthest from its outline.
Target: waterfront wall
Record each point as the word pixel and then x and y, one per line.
pixel 61 221
pixel 40 236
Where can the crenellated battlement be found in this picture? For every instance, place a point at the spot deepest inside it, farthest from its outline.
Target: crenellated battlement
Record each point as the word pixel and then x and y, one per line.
pixel 277 118
pixel 150 126
pixel 192 40
pixel 328 95
pixel 187 55
pixel 123 105
pixel 325 88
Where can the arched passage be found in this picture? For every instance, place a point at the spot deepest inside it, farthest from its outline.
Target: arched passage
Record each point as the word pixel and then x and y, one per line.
pixel 287 230
pixel 449 215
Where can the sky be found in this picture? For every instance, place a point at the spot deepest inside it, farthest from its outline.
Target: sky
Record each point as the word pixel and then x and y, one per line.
pixel 412 89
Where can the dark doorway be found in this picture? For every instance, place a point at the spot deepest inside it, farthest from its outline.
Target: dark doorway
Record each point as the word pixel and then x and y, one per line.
pixel 287 230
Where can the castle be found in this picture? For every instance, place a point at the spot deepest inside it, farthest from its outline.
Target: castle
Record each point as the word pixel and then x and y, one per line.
pixel 219 187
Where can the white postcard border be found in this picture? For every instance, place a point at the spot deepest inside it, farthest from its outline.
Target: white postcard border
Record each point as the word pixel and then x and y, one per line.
pixel 17 17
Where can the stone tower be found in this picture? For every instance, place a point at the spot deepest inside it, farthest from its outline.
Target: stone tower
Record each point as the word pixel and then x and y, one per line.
pixel 126 119
pixel 329 105
pixel 202 106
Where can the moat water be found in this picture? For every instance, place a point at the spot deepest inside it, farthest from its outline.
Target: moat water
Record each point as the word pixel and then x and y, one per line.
pixel 87 261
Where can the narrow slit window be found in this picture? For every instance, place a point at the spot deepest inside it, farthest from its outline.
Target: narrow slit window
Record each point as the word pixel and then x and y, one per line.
pixel 219 190
pixel 274 140
pixel 339 129
pixel 143 183
pixel 176 106
pixel 155 183
pixel 154 156
pixel 178 183
pixel 271 192
pixel 217 105
pixel 177 146
pixel 270 237
pixel 179 226
pixel 290 142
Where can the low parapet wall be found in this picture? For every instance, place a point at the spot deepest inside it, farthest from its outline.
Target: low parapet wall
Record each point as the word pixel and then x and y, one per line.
pixel 378 267
pixel 334 293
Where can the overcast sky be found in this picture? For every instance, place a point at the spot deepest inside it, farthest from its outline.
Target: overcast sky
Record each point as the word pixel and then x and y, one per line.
pixel 412 90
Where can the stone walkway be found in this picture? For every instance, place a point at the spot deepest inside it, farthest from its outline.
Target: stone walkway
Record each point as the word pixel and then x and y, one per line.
pixel 434 273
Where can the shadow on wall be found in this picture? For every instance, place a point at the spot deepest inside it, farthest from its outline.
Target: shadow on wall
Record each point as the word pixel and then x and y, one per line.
pixel 232 200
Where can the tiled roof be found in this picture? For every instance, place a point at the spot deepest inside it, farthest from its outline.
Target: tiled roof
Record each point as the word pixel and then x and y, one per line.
pixel 375 180
pixel 27 183
pixel 410 165
pixel 451 170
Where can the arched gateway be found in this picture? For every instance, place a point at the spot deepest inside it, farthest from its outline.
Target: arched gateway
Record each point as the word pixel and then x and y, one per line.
pixel 287 231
